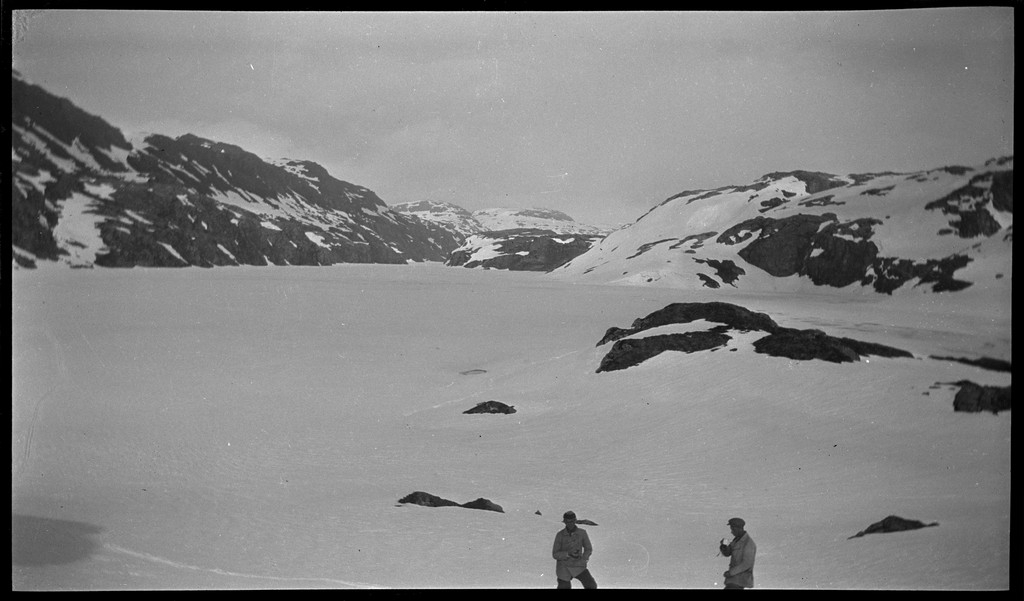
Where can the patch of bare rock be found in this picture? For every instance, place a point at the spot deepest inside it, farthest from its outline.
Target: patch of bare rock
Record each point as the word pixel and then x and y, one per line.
pixel 491 407
pixel 428 500
pixel 791 343
pixel 893 523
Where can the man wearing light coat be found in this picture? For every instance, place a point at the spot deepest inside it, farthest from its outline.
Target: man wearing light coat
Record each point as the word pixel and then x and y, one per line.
pixel 571 551
pixel 741 553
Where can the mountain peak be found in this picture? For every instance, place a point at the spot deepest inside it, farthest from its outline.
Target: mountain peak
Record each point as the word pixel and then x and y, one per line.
pixel 84 195
pixel 940 230
pixel 498 219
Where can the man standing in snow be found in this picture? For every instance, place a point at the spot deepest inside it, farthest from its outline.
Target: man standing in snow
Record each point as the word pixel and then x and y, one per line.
pixel 741 553
pixel 571 551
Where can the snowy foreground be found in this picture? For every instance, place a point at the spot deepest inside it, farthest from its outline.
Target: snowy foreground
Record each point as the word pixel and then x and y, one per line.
pixel 251 428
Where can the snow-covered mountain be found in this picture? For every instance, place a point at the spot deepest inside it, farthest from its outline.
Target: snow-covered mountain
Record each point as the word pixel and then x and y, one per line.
pixel 460 220
pixel 514 239
pixel 494 220
pixel 521 249
pixel 84 195
pixel 941 230
pixel 450 216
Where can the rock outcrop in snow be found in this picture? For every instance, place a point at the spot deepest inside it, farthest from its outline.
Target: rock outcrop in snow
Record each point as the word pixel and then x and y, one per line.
pixel 893 523
pixel 491 407
pixel 428 500
pixel 791 343
pixel 975 398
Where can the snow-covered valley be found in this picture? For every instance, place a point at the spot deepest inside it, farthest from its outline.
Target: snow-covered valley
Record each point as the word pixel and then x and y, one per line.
pixel 254 427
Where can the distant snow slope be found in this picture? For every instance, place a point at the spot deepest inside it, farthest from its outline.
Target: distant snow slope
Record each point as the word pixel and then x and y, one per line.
pixel 941 230
pixel 520 249
pixel 254 428
pixel 447 215
pixel 458 219
pixel 537 218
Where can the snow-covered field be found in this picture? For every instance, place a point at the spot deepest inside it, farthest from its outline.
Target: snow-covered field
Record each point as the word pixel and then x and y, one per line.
pixel 250 428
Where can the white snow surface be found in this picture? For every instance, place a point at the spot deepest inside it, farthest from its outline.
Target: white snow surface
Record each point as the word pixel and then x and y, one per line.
pixel 254 428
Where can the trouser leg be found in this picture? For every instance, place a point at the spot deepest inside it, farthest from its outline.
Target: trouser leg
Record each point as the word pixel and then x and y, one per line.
pixel 564 583
pixel 587 580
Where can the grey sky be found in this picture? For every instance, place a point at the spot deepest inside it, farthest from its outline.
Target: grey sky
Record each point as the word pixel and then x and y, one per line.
pixel 600 115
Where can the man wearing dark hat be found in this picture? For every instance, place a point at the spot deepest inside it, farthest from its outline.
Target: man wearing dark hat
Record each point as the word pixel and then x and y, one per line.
pixel 741 553
pixel 571 551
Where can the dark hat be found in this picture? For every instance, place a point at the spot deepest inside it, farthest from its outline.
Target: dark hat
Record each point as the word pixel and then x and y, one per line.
pixel 569 515
pixel 736 522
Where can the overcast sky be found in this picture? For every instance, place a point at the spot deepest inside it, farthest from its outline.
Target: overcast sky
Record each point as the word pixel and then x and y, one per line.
pixel 600 115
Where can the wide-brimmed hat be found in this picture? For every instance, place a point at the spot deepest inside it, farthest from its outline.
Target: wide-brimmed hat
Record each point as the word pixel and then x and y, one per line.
pixel 736 522
pixel 569 515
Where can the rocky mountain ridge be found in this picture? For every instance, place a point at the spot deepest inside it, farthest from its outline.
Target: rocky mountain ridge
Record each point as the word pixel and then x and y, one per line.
pixel 521 249
pixel 534 239
pixel 466 223
pixel 84 195
pixel 939 230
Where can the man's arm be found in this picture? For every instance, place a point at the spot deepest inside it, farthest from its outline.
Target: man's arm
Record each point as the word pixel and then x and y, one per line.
pixel 746 562
pixel 556 550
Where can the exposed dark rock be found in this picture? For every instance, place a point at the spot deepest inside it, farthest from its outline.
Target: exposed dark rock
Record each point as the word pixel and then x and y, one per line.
pixel 709 281
pixel 839 261
pixel 783 244
pixel 491 407
pixel 429 500
pixel 838 254
pixel 970 203
pixel 955 169
pixel 633 351
pixel 878 191
pixel 804 345
pixel 821 201
pixel 982 362
pixel 814 181
pixel 771 203
pixel 893 523
pixel 648 246
pixel 1002 191
pixel 893 273
pixel 523 249
pixel 697 238
pixel 484 504
pixel 726 270
pixel 974 398
pixel 734 316
pixel 860 178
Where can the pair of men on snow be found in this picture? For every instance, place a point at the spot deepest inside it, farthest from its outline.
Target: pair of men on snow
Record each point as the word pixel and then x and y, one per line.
pixel 572 549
